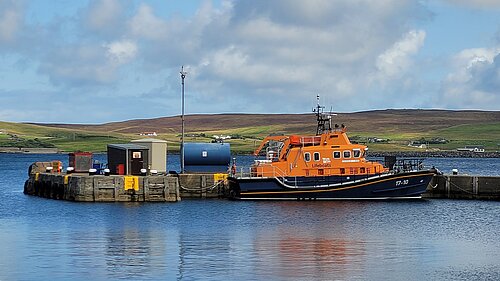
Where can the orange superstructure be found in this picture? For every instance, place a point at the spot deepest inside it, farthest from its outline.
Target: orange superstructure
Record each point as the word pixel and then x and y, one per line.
pixel 329 153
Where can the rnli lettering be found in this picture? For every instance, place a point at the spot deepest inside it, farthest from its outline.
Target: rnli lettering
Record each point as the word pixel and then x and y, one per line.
pixel 322 165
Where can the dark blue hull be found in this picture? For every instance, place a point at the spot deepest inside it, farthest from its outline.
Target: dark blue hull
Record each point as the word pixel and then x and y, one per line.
pixel 402 185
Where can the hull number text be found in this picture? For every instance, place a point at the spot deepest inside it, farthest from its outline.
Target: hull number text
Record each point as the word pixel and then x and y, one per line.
pixel 401 182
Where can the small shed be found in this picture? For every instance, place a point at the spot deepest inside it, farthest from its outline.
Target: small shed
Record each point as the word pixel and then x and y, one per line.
pixel 127 159
pixel 157 156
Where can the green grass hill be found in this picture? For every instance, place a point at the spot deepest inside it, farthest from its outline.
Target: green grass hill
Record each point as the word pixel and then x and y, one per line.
pixel 381 130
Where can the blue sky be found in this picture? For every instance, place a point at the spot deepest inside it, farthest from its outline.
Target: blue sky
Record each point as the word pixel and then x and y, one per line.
pixel 64 61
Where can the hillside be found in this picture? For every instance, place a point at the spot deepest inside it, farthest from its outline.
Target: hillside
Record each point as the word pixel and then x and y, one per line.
pixel 397 127
pixel 408 120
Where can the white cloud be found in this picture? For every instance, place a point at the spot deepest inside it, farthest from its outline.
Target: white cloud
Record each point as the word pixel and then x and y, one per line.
pixel 297 49
pixel 121 51
pixel 87 65
pixel 482 4
pixel 245 56
pixel 104 15
pixel 475 81
pixel 397 59
pixel 146 25
pixel 11 19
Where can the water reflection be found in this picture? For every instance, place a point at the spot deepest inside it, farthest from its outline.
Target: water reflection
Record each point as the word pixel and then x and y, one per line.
pixel 304 256
pixel 202 255
pixel 44 239
pixel 136 243
pixel 127 254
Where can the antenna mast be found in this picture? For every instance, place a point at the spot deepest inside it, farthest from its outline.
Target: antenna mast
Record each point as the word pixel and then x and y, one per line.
pixel 324 119
pixel 183 75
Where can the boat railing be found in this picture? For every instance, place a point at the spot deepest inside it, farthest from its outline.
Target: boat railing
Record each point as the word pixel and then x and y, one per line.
pixel 265 169
pixel 408 165
pixel 262 170
pixel 314 140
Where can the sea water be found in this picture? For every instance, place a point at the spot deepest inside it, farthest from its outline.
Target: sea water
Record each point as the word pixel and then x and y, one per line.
pixel 44 239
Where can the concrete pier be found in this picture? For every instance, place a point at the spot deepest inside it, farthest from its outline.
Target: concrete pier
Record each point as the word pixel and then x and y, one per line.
pixel 99 188
pixel 119 188
pixel 464 187
pixel 201 186
pixel 85 188
pixel 173 187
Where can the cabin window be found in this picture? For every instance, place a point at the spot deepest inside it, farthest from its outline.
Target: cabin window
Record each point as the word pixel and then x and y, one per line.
pixel 307 156
pixel 347 154
pixel 356 153
pixel 362 170
pixel 336 154
pixel 316 156
pixel 342 171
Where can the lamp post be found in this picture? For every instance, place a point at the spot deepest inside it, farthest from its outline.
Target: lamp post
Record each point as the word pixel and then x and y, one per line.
pixel 183 75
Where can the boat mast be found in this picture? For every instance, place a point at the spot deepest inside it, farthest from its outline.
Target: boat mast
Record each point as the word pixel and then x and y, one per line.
pixel 324 120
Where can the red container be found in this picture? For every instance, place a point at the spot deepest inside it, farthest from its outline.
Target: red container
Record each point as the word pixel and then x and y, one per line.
pixel 81 161
pixel 120 169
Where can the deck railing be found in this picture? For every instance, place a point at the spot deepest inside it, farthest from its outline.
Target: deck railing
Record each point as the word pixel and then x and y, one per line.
pixel 265 169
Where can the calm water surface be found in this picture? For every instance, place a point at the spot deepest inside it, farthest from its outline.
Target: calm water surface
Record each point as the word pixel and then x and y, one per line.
pixel 42 239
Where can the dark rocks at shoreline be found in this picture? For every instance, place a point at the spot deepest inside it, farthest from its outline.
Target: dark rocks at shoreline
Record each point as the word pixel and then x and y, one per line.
pixel 29 150
pixel 436 154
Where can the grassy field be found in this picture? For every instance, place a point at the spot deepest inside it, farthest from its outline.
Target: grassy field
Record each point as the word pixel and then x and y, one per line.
pixel 27 135
pixel 398 127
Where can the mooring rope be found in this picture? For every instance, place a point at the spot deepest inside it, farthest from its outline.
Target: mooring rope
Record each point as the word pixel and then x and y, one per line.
pixel 448 180
pixel 202 189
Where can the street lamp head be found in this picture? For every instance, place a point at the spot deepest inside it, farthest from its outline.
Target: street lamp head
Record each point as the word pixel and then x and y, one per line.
pixel 183 73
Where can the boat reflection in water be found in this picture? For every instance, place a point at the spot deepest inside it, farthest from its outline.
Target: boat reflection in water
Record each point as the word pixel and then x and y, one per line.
pixel 319 258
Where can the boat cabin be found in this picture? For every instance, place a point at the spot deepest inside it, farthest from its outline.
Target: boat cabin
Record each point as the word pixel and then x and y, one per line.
pixel 329 153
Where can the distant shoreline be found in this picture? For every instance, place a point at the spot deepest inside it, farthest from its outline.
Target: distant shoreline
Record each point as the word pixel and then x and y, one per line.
pixel 30 150
pixel 415 154
pixel 436 154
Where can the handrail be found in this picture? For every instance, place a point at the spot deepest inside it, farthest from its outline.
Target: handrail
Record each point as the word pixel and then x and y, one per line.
pixel 257 171
pixel 310 140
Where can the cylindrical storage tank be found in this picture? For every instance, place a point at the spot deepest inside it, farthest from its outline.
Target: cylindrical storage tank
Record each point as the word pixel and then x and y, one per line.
pixel 206 157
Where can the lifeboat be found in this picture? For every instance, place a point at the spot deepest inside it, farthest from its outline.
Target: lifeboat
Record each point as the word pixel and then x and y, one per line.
pixel 325 166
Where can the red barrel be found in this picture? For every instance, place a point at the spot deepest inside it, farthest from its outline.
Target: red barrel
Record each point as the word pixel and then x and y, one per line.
pixel 120 169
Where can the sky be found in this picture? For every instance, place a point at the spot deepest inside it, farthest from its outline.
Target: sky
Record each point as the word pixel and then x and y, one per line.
pixel 98 61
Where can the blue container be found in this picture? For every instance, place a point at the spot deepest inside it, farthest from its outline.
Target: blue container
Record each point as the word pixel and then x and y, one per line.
pixel 207 157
